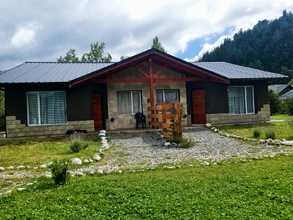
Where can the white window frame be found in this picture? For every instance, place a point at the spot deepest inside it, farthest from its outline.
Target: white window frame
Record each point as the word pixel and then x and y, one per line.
pixel 131 101
pixel 39 108
pixel 245 100
pixel 164 96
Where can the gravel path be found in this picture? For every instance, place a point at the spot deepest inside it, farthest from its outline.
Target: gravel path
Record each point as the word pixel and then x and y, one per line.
pixel 148 149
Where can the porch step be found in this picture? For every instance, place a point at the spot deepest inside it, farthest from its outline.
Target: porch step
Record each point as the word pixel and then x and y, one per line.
pixel 197 127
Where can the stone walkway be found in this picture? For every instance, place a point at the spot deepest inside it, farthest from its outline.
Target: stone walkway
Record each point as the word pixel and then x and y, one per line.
pixel 148 149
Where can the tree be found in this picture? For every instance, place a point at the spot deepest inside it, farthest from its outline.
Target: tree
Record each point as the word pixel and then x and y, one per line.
pixel 268 46
pixel 157 44
pixel 96 54
pixel 69 57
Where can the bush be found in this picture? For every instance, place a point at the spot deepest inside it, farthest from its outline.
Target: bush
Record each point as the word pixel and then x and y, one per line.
pixel 289 103
pixel 256 133
pixel 275 103
pixel 183 142
pixel 270 134
pixel 59 170
pixel 77 146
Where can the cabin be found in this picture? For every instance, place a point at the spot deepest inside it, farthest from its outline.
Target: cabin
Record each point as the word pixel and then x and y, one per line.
pixel 51 98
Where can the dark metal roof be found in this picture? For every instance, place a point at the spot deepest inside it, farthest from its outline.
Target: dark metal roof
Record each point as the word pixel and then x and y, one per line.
pixel 232 71
pixel 48 72
pixel 54 72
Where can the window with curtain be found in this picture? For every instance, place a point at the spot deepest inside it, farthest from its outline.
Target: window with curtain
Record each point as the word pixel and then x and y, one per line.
pixel 129 102
pixel 46 107
pixel 167 95
pixel 241 99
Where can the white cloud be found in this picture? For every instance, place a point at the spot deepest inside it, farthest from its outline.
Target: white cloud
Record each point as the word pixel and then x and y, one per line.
pixel 126 27
pixel 24 36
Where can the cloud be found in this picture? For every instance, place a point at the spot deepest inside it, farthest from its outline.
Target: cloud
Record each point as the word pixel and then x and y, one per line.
pixel 24 36
pixel 46 31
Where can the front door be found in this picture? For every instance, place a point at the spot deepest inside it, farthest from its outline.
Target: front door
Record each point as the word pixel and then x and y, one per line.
pixel 97 111
pixel 198 107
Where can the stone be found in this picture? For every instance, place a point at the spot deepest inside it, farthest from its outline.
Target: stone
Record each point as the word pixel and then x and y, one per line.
pixel 208 125
pixel 43 166
pixel 97 157
pixel 2 169
pixel 79 173
pixel 86 161
pixel 20 167
pixel 20 189
pixel 90 160
pixel 10 167
pixel 76 161
pixel 166 144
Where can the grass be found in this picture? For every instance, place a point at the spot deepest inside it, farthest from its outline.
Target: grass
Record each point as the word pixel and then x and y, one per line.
pixel 31 152
pixel 282 129
pixel 259 189
pixel 282 117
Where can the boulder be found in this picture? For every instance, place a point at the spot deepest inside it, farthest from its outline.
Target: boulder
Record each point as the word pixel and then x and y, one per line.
pixel 2 169
pixel 76 161
pixel 10 167
pixel 97 157
pixel 166 144
pixel 20 167
pixel 20 189
pixel 86 161
pixel 43 166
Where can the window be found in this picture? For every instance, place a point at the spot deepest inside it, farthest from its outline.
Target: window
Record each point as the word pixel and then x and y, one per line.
pixel 241 99
pixel 46 107
pixel 167 95
pixel 129 102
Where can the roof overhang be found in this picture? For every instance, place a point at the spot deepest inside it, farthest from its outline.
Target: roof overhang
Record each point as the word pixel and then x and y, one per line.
pixel 159 57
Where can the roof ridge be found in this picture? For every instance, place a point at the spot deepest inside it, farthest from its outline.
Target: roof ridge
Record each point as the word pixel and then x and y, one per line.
pixel 78 62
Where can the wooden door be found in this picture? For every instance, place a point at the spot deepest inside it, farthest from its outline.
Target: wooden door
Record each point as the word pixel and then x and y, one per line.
pixel 97 111
pixel 198 107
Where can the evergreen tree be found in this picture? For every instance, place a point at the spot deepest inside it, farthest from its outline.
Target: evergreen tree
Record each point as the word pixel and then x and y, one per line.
pixel 157 44
pixel 268 46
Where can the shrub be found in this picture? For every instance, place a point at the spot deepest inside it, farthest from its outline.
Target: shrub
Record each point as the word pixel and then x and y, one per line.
pixel 59 170
pixel 270 134
pixel 77 146
pixel 275 102
pixel 183 142
pixel 256 133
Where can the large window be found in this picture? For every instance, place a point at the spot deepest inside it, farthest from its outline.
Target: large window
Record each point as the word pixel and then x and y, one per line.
pixel 129 102
pixel 241 99
pixel 167 95
pixel 46 107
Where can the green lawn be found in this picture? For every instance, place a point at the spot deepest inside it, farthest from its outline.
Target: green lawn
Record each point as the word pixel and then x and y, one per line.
pixel 282 129
pixel 32 152
pixel 259 189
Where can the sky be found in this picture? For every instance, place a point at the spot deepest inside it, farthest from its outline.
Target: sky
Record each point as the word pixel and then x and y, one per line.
pixel 34 30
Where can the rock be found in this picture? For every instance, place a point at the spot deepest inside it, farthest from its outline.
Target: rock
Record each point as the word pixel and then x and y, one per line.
pixel 29 184
pixel 76 161
pixel 10 167
pixel 119 171
pixel 43 166
pixel 166 144
pixel 97 157
pixel 86 161
pixel 90 160
pixel 2 169
pixel 205 163
pixel 100 171
pixel 288 143
pixel 20 167
pixel 208 125
pixel 20 189
pixel 79 173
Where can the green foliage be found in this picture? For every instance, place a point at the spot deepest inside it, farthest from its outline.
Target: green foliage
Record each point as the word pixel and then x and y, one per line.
pixel 96 54
pixel 256 133
pixel 267 46
pixel 76 146
pixel 59 170
pixel 289 104
pixel 157 44
pixel 183 142
pixel 275 102
pixel 270 134
pixel 258 189
pixel 69 57
pixel 2 111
